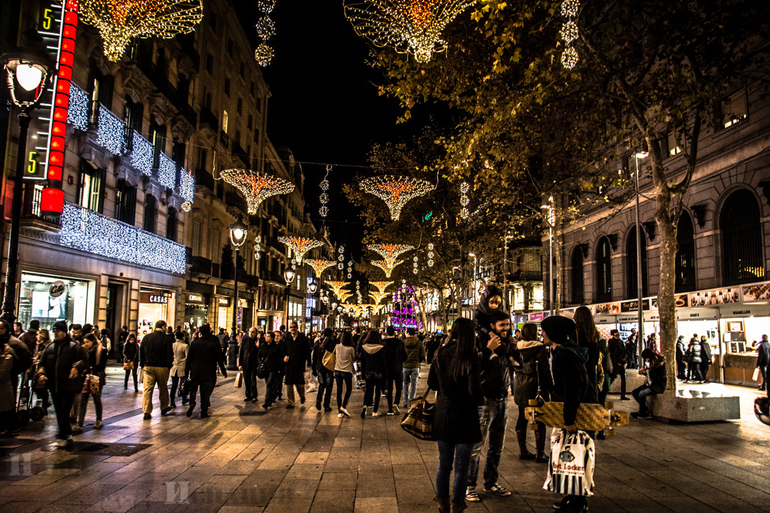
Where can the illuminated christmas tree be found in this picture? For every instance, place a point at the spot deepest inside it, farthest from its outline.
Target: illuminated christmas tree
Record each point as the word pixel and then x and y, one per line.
pixel 404 314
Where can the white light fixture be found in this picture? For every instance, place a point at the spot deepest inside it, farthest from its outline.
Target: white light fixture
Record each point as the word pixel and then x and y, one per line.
pixel 289 275
pixel 238 232
pixel 29 76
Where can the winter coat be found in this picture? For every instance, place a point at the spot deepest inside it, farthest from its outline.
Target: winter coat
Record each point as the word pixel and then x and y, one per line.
pixel 181 349
pixel 705 352
pixel 298 351
pixel 7 357
pixel 202 359
pixel 680 349
pixel 373 363
pixel 272 355
pixel 23 360
pixel 763 354
pixel 617 351
pixel 495 377
pixel 321 346
pixel 130 352
pixel 345 357
pixel 29 338
pixel 533 356
pixel 570 380
pixel 97 363
pixel 58 359
pixel 156 350
pixel 395 355
pixel 456 418
pixel 693 354
pixel 415 353
pixel 595 375
pixel 248 353
pixel 657 377
pixel 481 315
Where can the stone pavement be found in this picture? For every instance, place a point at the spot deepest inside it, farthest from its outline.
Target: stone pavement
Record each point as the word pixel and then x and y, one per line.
pixel 242 459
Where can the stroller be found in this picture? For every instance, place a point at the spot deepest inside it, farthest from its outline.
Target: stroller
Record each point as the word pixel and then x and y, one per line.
pixel 25 411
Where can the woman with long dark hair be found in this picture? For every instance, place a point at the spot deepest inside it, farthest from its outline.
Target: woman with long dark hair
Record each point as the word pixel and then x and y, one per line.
pixel 589 337
pixel 130 355
pixel 345 355
pixel 533 375
pixel 455 375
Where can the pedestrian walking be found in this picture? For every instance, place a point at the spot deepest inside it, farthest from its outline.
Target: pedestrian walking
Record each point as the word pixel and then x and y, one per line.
pixel 122 337
pixel 705 358
pixel 655 370
pixel 97 365
pixel 571 386
pixel 493 415
pixel 296 349
pixel 130 360
pixel 345 355
pixel 156 357
pixel 248 358
pixel 415 355
pixel 395 355
pixel 271 361
pixel 763 358
pixel 693 358
pixel 223 339
pixel 204 356
pixel 29 337
pixel 618 355
pixel 374 367
pixel 455 374
pixel 532 381
pixel 7 402
pixel 43 341
pixel 181 348
pixel 631 352
pixel 61 371
pixel 324 344
pixel 681 368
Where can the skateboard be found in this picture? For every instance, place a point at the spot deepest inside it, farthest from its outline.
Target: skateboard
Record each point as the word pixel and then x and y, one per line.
pixel 590 416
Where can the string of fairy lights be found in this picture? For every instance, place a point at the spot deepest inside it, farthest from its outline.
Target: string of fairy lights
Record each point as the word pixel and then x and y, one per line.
pixel 265 28
pixel 569 32
pixel 396 191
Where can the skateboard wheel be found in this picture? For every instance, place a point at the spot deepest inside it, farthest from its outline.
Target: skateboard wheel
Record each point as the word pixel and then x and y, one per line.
pixel 609 405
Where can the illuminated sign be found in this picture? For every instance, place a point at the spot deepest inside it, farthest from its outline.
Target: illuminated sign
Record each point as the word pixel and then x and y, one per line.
pixel 194 298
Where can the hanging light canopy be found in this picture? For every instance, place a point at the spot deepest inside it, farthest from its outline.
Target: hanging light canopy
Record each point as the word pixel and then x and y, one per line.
pixel 387 266
pixel 408 26
pixel 378 296
pixel 390 252
pixel 337 286
pixel 381 285
pixel 300 245
pixel 396 191
pixel 319 266
pixel 256 187
pixel 120 21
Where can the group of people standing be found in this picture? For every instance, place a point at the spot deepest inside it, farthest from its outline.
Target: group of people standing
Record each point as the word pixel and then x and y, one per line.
pixel 694 359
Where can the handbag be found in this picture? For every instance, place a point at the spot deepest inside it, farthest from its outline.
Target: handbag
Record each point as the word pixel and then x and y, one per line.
pixel 329 360
pixel 571 465
pixel 418 421
pixel 129 365
pixel 91 385
pixel 756 376
pixel 239 380
pixel 261 368
pixel 184 389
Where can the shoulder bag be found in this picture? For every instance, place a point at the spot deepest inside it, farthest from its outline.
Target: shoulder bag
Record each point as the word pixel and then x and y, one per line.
pixel 329 360
pixel 91 385
pixel 418 421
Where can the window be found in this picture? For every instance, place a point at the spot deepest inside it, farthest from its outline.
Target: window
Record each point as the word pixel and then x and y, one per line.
pixel 685 255
pixel 225 121
pixel 100 86
pixel 631 269
pixel 150 213
pixel 253 88
pixel 603 270
pixel 91 186
pixel 259 104
pixel 741 239
pixel 227 87
pixel 256 135
pixel 158 139
pixel 171 224
pixel 733 109
pixel 250 123
pixel 210 64
pixel 242 70
pixel 238 137
pixel 209 99
pixel 132 114
pixel 216 240
pixel 202 158
pixel 196 236
pixel 125 202
pixel 578 294
pixel 672 148
pixel 240 105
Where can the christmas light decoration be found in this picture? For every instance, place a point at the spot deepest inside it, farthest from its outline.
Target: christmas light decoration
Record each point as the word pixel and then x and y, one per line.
pixel 390 252
pixel 166 171
pixel 89 231
pixel 120 21
pixel 569 32
pixel 264 54
pixel 387 266
pixel 341 258
pixel 381 285
pixel 378 296
pixel 350 270
pixel 319 266
pixel 396 191
pixel 337 286
pixel 324 198
pixel 299 246
pixel 186 187
pixel 430 255
pixel 77 111
pixel 345 296
pixel 111 132
pixel 142 154
pixel 265 30
pixel 405 308
pixel 464 201
pixel 408 26
pixel 256 187
pixel 266 6
pixel 415 267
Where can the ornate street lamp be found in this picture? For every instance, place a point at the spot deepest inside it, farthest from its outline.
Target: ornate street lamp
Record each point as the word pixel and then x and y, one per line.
pixel 238 233
pixel 312 288
pixel 288 275
pixel 28 69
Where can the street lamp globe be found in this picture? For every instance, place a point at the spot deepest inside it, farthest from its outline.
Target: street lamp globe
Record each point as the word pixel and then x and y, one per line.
pixel 312 288
pixel 340 309
pixel 238 232
pixel 28 68
pixel 289 275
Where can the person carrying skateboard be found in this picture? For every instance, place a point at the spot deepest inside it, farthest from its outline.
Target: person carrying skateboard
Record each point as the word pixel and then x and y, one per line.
pixel 571 384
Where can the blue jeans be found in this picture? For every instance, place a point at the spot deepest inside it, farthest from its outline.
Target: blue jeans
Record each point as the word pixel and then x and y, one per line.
pixel 461 454
pixel 493 418
pixel 641 394
pixel 410 384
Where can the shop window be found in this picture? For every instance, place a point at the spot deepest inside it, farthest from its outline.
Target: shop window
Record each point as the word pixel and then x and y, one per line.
pixel 197 229
pixel 132 114
pixel 150 213
pixel 578 293
pixel 91 186
pixel 741 239
pixel 603 270
pixel 125 202
pixel 685 255
pixel 171 222
pixel 631 260
pixel 74 304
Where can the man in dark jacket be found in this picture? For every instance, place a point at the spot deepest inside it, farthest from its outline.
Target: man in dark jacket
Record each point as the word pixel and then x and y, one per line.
pixel 247 356
pixel 705 357
pixel 415 355
pixel 493 416
pixel 681 369
pixel 61 369
pixel 325 377
pixel 202 360
pixel 395 356
pixel 122 337
pixel 296 347
pixel 156 357
pixel 763 358
pixel 271 357
pixel 619 356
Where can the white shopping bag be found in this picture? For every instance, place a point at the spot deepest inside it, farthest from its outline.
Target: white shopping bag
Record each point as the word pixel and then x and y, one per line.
pixel 571 465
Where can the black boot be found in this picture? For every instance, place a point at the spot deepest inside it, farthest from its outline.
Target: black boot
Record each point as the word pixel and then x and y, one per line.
pixel 524 454
pixel 540 455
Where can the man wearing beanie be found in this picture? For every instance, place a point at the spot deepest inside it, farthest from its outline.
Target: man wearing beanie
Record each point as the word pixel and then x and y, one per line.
pixel 156 357
pixel 493 416
pixel 570 382
pixel 61 372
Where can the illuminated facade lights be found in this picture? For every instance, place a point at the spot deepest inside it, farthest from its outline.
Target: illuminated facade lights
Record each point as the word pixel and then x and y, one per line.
pixel 111 133
pixel 77 112
pixel 142 153
pixel 569 32
pixel 166 172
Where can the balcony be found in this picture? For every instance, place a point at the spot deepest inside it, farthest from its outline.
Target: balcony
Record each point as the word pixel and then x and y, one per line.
pixel 204 178
pixel 234 199
pixel 251 281
pixel 31 217
pixel 200 265
pixel 209 121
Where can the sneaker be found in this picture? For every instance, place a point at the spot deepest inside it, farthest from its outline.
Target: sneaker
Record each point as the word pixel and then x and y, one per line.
pixel 471 495
pixel 98 424
pixel 377 414
pixel 363 412
pixel 498 490
pixel 390 413
pixel 344 412
pixel 77 428
pixel 396 409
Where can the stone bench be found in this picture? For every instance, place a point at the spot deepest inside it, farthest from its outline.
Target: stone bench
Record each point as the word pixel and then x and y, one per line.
pixel 633 380
pixel 706 403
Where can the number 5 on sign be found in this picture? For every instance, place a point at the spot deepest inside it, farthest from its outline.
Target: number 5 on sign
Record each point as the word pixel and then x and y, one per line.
pixel 47 19
pixel 32 163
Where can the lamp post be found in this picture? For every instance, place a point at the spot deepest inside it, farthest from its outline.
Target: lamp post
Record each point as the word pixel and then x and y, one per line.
pixel 551 220
pixel 505 273
pixel 288 275
pixel 28 69
pixel 238 232
pixel 641 154
pixel 475 273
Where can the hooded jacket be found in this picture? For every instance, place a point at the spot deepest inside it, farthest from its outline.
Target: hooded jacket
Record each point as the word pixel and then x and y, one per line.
pixel 58 359
pixel 415 352
pixel 570 379
pixel 373 363
pixel 534 369
pixel 481 315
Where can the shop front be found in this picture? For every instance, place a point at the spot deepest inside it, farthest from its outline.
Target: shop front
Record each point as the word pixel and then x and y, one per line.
pixel 196 311
pixel 742 327
pixel 155 305
pixel 223 313
pixel 52 298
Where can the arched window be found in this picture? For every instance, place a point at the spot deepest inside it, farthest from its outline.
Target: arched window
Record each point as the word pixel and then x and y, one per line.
pixel 631 258
pixel 741 239
pixel 685 256
pixel 171 224
pixel 578 293
pixel 150 213
pixel 603 271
